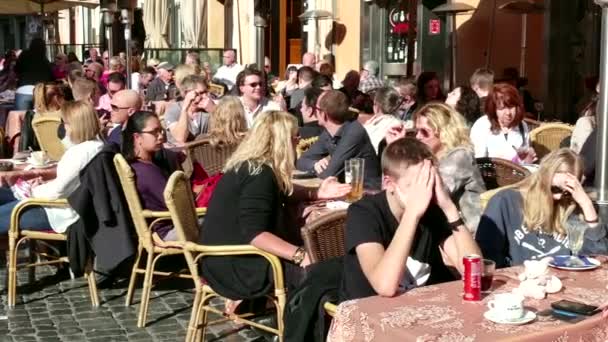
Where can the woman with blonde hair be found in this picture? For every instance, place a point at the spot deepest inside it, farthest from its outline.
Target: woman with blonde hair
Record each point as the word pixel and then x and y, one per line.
pixel 247 203
pixel 82 126
pixel 48 99
pixel 446 134
pixel 527 221
pixel 227 125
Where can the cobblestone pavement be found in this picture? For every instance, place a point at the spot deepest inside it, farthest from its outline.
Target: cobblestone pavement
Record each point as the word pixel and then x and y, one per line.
pixel 60 310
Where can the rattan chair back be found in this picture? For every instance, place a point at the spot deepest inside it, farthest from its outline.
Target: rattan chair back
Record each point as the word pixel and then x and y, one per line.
pixel 324 237
pixel 180 202
pixel 45 129
pixel 304 145
pixel 498 172
pixel 548 137
pixel 127 181
pixel 212 158
pixel 485 197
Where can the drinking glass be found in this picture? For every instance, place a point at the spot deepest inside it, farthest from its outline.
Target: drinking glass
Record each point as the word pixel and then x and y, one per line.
pixel 489 266
pixel 353 175
pixel 575 228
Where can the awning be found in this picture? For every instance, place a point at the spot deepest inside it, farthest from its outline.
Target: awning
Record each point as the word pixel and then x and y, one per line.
pixel 24 7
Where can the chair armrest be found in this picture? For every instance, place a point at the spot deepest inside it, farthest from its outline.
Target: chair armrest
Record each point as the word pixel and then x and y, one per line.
pixel 155 214
pixel 201 212
pixel 330 308
pixel 31 202
pixel 231 250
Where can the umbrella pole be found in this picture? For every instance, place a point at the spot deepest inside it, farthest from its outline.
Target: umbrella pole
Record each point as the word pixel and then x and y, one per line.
pixel 524 44
pixel 601 169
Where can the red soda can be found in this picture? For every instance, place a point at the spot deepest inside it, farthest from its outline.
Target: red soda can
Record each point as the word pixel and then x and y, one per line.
pixel 472 277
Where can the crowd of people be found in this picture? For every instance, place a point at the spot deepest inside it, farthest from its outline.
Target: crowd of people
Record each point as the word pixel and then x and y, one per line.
pixel 419 146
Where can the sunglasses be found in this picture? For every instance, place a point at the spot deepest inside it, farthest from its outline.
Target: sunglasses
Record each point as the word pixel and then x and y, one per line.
pixel 425 133
pixel 116 108
pixel 557 190
pixel 254 84
pixel 156 132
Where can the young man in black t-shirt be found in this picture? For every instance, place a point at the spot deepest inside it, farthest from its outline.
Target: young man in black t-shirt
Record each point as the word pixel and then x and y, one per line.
pixel 409 234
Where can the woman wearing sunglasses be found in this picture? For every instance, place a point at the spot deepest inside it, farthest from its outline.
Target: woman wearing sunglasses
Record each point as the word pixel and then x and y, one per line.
pixel 446 134
pixel 528 220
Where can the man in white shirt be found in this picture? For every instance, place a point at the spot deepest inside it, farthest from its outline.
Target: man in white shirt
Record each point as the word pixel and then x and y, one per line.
pixel 309 59
pixel 228 72
pixel 252 91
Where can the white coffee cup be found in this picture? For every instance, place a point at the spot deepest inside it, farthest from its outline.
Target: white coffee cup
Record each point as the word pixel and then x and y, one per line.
pixel 38 158
pixel 507 306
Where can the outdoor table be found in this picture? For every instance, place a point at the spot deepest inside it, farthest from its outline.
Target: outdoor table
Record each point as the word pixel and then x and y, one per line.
pixel 438 313
pixel 8 178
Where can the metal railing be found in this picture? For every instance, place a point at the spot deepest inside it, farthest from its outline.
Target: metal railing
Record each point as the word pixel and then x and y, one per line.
pixel 81 50
pixel 178 56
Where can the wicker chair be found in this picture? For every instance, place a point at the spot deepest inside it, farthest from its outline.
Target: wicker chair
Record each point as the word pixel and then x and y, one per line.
pixel 45 128
pixel 304 145
pixel 486 196
pixel 181 206
pixel 324 237
pixel 532 124
pixel 148 241
pixel 498 172
pixel 17 236
pixel 216 89
pixel 548 137
pixel 212 158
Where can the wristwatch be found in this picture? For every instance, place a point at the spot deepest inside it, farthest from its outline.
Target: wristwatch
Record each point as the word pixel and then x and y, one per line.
pixel 298 256
pixel 455 224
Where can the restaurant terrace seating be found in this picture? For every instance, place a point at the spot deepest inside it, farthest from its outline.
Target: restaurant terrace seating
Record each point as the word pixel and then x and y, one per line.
pixel 324 237
pixel 180 203
pixel 498 172
pixel 148 242
pixel 548 137
pixel 45 128
pixel 212 158
pixel 17 235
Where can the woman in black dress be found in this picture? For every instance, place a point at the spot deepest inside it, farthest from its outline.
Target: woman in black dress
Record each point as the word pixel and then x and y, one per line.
pixel 247 205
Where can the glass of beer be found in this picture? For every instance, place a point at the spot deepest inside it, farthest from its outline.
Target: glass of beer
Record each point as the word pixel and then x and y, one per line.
pixel 353 174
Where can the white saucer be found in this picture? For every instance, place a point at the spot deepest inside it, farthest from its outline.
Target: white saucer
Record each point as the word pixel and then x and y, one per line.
pixel 561 262
pixel 528 317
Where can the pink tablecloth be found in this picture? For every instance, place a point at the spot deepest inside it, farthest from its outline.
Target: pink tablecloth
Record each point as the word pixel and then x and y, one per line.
pixel 438 313
pixel 8 178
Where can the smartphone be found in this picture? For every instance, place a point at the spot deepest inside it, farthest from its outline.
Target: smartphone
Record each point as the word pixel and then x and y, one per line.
pixel 575 307
pixel 566 316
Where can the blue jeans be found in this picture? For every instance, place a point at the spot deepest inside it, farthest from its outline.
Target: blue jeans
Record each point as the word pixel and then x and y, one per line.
pixel 33 218
pixel 24 102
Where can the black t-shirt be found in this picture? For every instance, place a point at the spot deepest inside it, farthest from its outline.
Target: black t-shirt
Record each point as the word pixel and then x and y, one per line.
pixel 242 206
pixel 371 220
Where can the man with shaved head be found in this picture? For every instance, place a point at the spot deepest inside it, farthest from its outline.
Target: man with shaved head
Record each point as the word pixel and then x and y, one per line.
pixel 124 104
pixel 309 59
pixel 227 73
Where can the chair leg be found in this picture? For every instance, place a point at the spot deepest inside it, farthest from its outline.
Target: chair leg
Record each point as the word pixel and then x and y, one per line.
pixel 280 310
pixel 12 270
pixel 145 292
pixel 192 324
pixel 90 275
pixel 202 316
pixel 33 258
pixel 129 298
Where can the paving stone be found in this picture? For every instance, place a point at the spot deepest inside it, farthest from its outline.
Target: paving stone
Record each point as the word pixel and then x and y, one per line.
pixel 62 312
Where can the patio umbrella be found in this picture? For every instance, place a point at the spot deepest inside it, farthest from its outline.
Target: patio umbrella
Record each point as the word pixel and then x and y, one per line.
pixel 194 22
pixel 22 7
pixel 156 22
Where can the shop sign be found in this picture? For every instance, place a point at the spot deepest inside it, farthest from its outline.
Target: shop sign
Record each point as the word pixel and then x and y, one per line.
pixel 434 27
